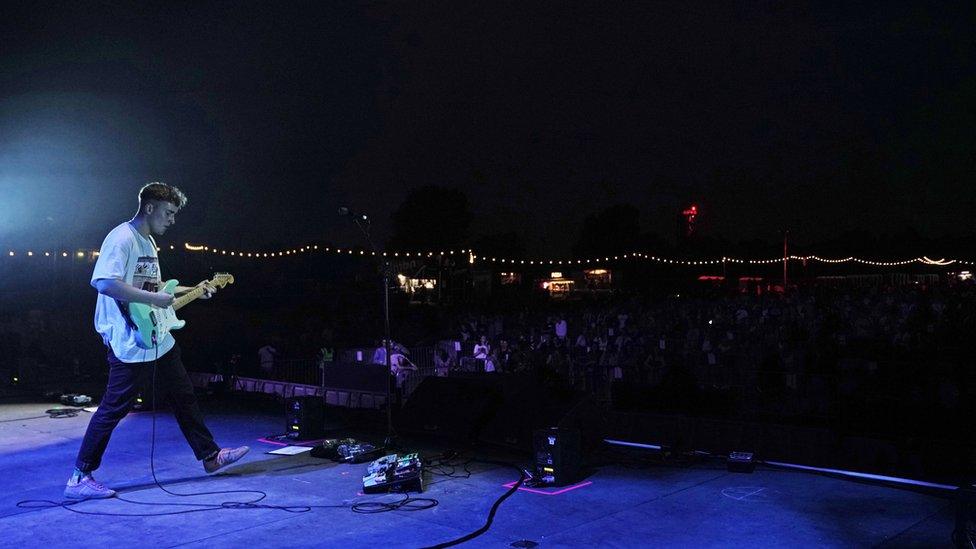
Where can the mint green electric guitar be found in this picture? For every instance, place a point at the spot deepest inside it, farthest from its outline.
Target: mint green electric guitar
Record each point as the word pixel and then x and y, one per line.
pixel 153 323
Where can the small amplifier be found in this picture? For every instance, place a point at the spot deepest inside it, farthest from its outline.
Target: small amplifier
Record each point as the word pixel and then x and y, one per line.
pixel 305 417
pixel 558 457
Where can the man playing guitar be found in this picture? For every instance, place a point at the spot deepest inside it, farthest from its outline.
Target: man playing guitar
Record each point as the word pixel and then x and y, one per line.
pixel 127 271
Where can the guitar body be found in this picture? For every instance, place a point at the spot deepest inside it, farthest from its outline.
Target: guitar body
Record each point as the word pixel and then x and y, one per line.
pixel 150 320
pixel 153 323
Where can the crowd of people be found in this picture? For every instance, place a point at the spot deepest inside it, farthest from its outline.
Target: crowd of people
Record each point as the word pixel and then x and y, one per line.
pixel 813 352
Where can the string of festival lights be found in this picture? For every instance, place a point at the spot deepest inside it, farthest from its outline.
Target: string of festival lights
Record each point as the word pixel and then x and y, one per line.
pixel 637 255
pixel 473 257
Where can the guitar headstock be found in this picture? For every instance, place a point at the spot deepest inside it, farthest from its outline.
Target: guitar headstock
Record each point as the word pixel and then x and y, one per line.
pixel 222 279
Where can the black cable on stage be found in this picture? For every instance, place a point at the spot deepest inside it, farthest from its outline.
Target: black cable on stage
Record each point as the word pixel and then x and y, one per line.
pixel 439 466
pixel 60 413
pixel 491 513
pixel 406 504
pixel 23 419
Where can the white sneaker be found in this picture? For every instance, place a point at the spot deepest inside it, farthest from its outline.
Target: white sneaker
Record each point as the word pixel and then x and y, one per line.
pixel 225 457
pixel 87 488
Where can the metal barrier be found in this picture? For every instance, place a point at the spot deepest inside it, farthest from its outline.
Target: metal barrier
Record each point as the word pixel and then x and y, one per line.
pixel 791 388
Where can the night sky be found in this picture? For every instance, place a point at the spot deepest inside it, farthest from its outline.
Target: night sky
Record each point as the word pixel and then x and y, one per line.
pixel 768 115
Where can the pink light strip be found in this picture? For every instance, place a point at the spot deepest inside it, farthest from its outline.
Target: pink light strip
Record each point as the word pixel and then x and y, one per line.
pixel 556 493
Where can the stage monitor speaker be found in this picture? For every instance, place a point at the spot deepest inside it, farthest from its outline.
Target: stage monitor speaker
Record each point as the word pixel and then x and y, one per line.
pixel 454 408
pixel 305 417
pixel 558 456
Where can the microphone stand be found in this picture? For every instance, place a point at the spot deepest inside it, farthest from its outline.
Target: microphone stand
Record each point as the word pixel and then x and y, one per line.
pixel 362 221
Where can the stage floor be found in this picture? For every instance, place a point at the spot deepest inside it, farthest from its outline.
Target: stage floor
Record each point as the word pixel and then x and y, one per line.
pixel 697 506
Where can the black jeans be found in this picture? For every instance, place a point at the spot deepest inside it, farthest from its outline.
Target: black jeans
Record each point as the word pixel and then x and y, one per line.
pixel 125 380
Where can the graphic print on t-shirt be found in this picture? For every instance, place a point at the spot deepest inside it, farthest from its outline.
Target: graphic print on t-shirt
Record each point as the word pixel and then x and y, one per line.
pixel 146 276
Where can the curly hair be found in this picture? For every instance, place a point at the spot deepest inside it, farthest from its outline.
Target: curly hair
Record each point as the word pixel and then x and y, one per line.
pixel 162 192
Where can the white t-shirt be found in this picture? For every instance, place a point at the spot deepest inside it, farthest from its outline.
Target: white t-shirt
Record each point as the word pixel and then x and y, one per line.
pixel 481 350
pixel 130 257
pixel 267 355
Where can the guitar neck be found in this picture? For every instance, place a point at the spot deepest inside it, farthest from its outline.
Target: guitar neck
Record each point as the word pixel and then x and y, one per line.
pixel 187 297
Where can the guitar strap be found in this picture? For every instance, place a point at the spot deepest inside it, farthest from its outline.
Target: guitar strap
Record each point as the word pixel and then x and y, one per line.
pixel 159 263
